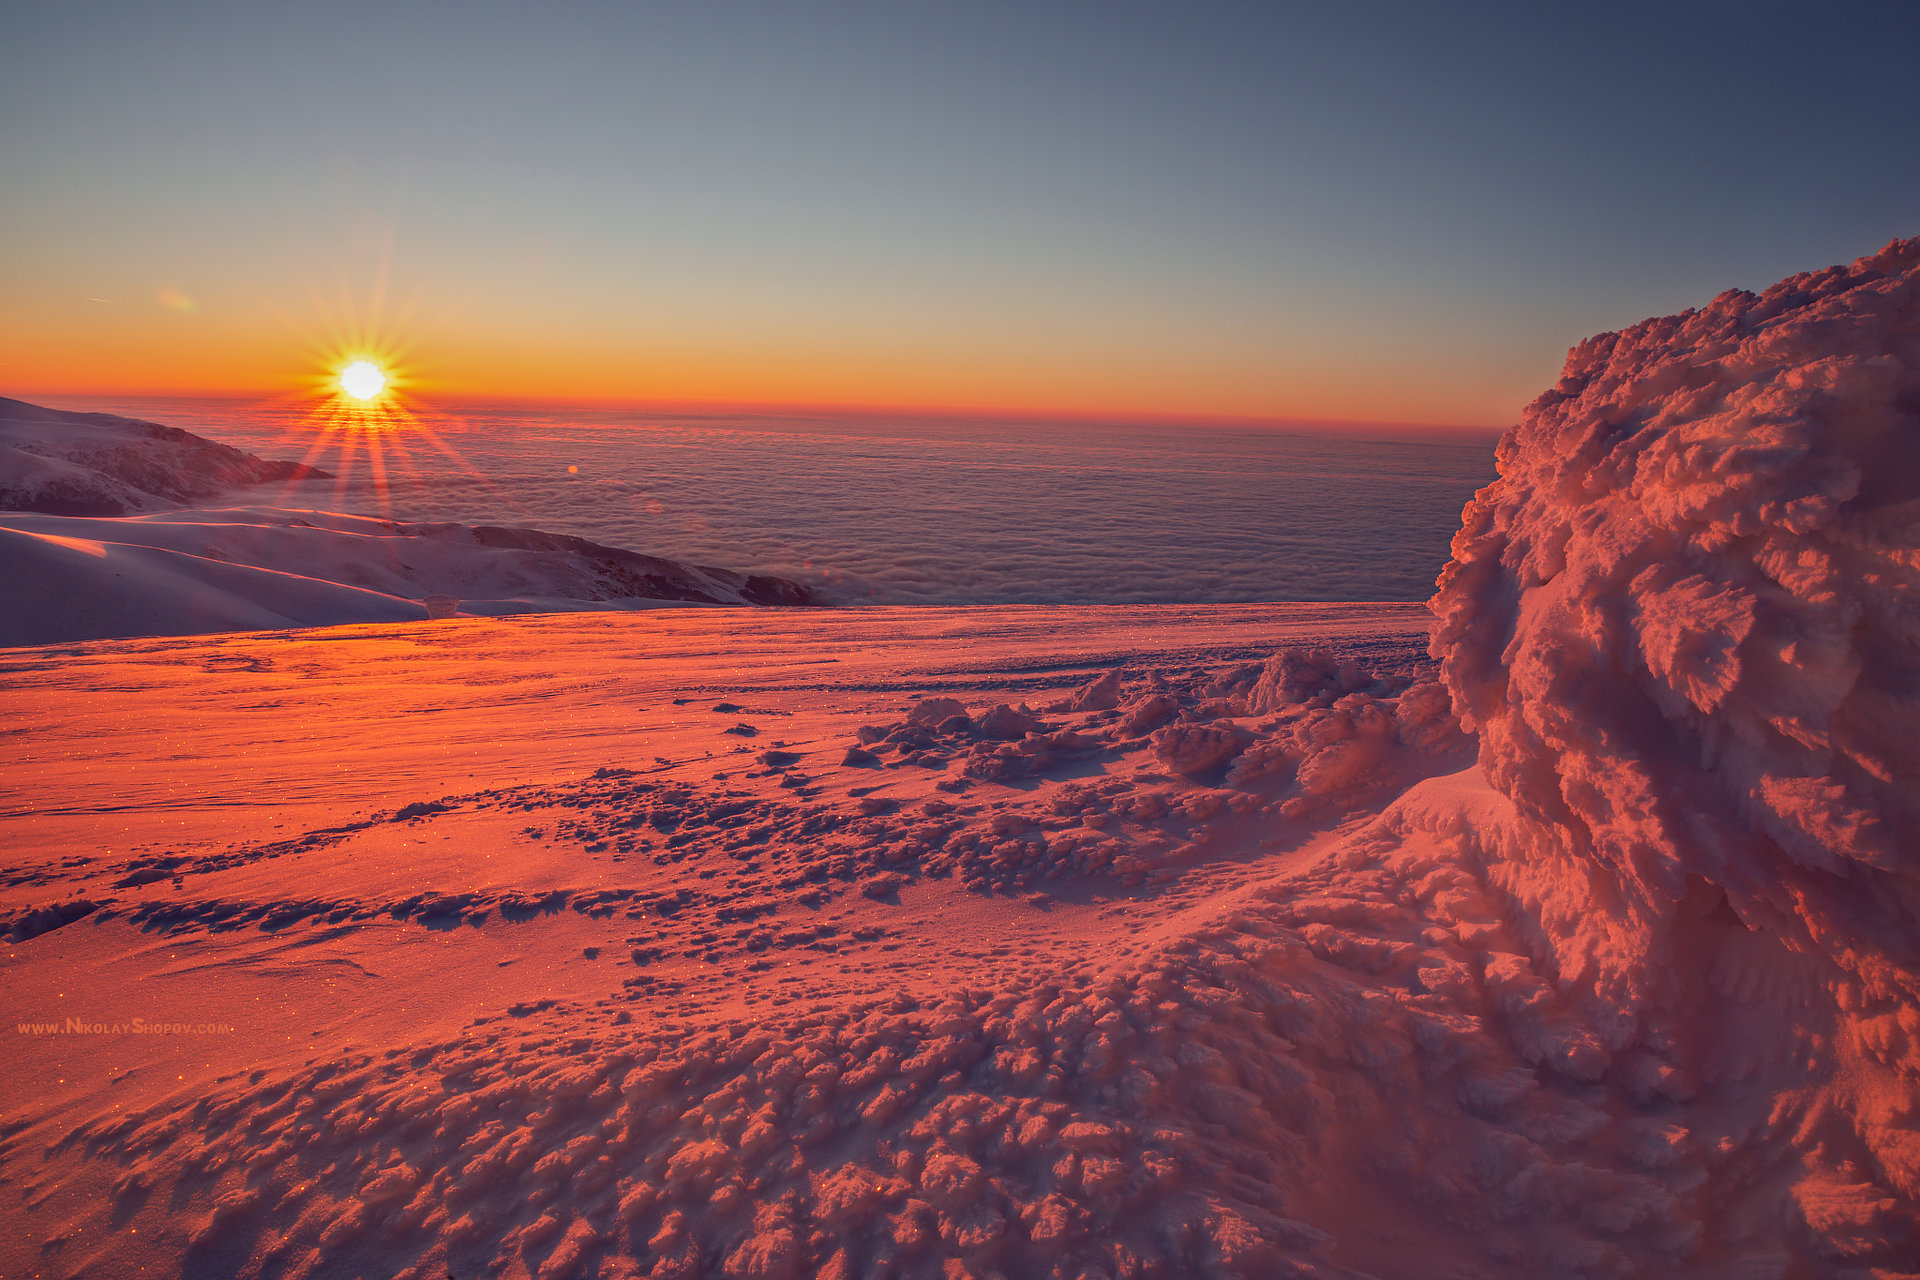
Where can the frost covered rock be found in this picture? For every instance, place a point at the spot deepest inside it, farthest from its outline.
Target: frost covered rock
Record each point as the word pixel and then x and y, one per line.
pixel 1682 619
pixel 1010 724
pixel 1102 694
pixel 1196 748
pixel 1143 715
pixel 934 711
pixel 1303 676
pixel 1683 623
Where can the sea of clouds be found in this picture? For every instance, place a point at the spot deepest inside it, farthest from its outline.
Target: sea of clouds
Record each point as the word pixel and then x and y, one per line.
pixel 913 513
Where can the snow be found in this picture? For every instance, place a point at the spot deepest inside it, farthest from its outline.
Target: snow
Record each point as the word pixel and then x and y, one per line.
pixel 94 545
pixel 737 910
pixel 1571 936
pixel 1682 622
pixel 254 568
pixel 97 464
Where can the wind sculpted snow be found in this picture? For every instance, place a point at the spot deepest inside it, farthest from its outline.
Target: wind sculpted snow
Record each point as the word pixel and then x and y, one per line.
pixel 1682 621
pixel 1069 943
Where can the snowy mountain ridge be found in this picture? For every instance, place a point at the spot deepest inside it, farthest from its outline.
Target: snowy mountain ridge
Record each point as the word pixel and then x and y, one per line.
pixel 99 464
pixel 96 545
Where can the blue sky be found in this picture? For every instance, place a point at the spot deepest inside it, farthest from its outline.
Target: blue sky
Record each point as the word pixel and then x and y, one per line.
pixel 1365 210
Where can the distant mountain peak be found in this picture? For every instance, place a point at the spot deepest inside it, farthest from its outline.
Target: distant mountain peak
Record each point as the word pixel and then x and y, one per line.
pixel 99 464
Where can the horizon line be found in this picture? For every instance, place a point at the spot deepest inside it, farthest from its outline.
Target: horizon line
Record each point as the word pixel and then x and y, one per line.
pixel 869 409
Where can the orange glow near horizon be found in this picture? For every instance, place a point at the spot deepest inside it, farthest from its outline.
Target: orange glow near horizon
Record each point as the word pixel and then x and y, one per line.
pixel 262 356
pixel 359 410
pixel 713 386
pixel 436 339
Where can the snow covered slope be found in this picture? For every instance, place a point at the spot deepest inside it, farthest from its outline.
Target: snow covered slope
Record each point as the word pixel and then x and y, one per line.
pixel 785 913
pixel 253 568
pixel 77 563
pixel 97 464
pixel 1065 943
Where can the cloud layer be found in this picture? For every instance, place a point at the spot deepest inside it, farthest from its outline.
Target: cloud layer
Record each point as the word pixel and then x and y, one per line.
pixel 940 513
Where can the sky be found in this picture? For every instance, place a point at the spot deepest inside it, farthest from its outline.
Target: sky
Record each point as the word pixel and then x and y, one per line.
pixel 1387 212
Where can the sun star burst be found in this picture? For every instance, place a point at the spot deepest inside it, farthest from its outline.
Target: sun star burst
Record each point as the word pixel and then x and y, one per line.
pixel 363 380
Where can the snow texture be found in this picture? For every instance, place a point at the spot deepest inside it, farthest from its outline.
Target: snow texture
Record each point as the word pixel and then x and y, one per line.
pixel 1683 623
pixel 260 568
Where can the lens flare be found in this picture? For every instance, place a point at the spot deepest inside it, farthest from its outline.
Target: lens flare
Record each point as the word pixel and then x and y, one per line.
pixel 359 414
pixel 362 380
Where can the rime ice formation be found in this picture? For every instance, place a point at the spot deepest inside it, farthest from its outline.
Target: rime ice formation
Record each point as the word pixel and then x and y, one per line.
pixel 1684 622
pixel 1126 953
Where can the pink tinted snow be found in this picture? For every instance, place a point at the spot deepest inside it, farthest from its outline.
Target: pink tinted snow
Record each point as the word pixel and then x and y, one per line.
pixel 1252 968
pixel 1683 623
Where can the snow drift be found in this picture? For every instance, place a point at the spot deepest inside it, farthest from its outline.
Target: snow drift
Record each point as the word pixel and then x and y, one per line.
pixel 262 568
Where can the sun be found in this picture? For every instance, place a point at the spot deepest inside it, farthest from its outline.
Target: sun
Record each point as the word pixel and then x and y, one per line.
pixel 362 380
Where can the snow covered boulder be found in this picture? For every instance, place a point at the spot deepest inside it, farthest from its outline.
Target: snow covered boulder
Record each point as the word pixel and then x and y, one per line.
pixel 1010 724
pixel 1101 694
pixel 1685 621
pixel 936 711
pixel 1191 748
